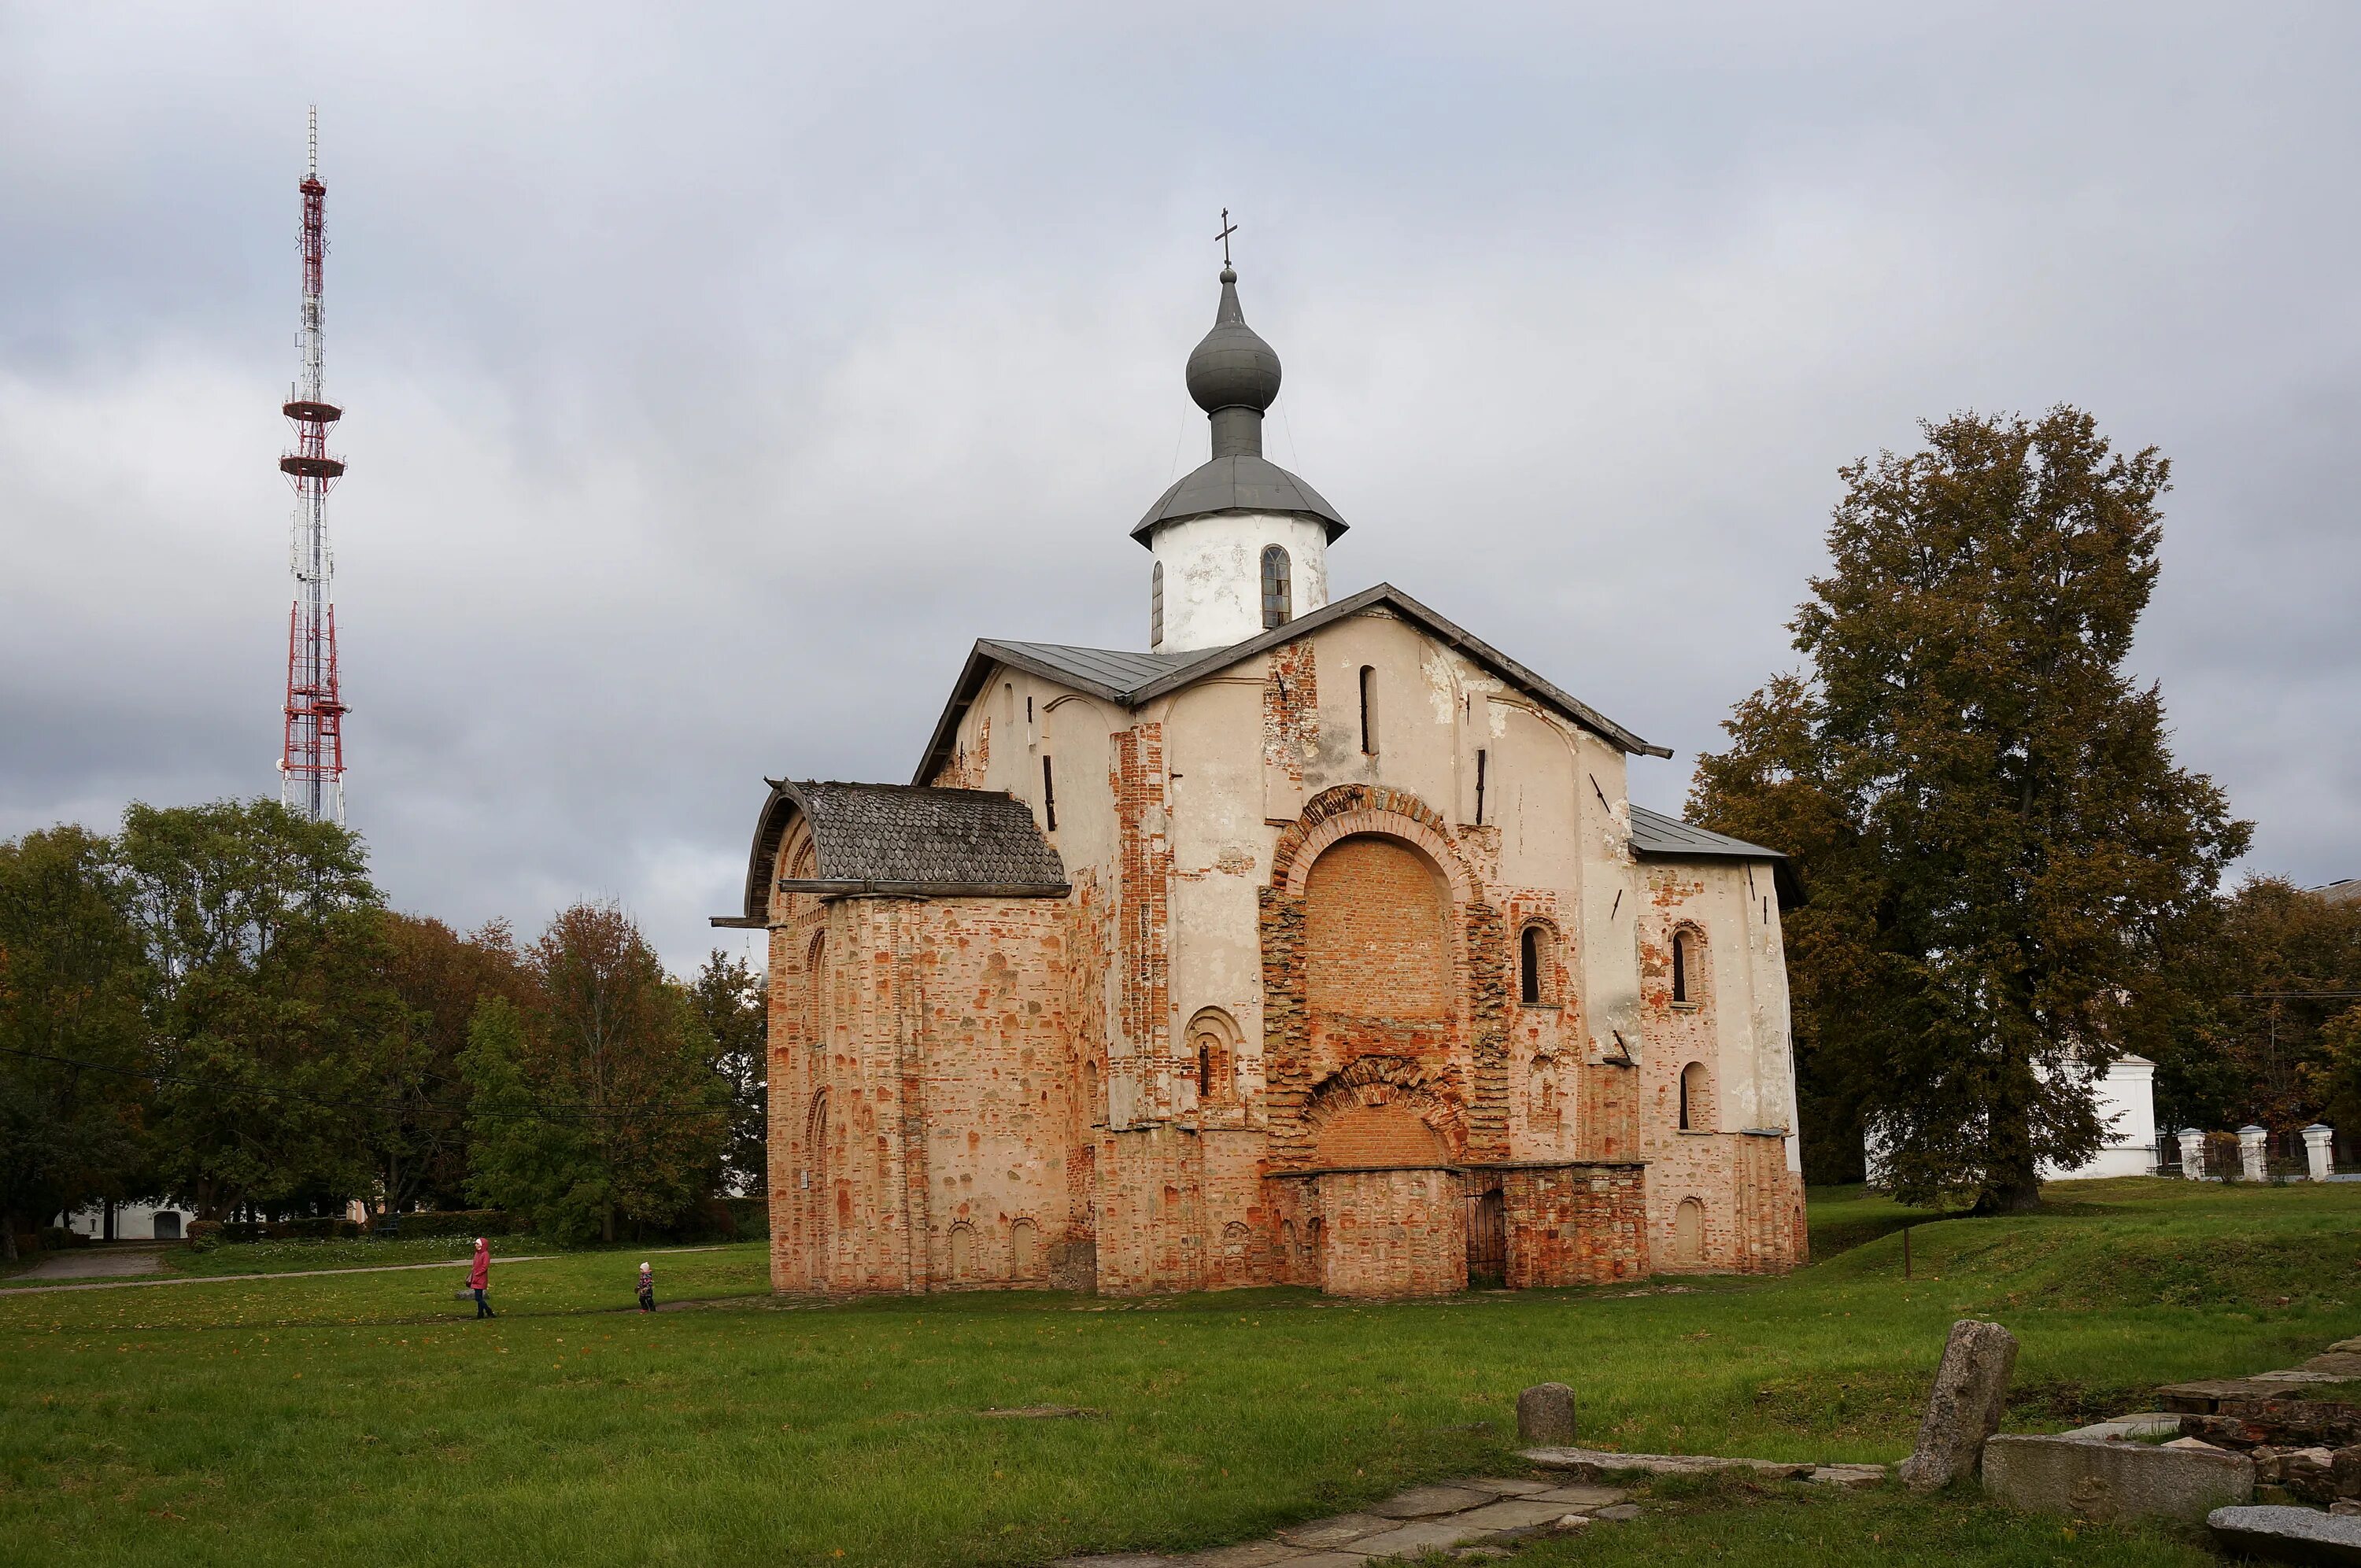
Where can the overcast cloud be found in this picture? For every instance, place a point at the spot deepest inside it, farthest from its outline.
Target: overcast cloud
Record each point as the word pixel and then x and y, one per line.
pixel 713 378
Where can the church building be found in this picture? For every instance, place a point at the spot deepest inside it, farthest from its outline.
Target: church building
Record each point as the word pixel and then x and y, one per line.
pixel 1316 944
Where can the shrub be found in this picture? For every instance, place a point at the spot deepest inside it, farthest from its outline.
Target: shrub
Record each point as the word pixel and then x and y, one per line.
pixel 449 1223
pixel 203 1236
pixel 321 1227
pixel 752 1217
pixel 58 1238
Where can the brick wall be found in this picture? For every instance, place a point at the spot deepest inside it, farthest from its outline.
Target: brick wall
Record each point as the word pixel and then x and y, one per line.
pixel 1392 1233
pixel 1143 922
pixel 1574 1225
pixel 924 1130
pixel 1748 1203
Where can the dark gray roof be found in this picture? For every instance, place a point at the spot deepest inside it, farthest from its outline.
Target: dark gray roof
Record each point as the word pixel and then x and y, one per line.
pixel 1233 366
pixel 902 839
pixel 1102 671
pixel 1240 483
pixel 1654 833
pixel 1130 679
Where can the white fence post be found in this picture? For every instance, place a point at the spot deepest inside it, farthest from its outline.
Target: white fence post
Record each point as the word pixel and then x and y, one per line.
pixel 2193 1155
pixel 2251 1166
pixel 2316 1140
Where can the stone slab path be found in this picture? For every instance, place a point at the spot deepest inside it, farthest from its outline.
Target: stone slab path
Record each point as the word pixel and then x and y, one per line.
pixel 1469 1519
pixel 1593 1463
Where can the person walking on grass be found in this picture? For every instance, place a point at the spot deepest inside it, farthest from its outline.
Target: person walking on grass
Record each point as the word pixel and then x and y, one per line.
pixel 647 1287
pixel 479 1278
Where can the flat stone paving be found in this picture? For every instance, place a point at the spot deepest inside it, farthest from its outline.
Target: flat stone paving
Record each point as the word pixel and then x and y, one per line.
pixel 1471 1519
pixel 1592 1463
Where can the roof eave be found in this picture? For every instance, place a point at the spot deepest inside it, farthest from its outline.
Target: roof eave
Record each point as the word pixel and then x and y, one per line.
pixel 853 887
pixel 982 659
pixel 1483 653
pixel 1144 533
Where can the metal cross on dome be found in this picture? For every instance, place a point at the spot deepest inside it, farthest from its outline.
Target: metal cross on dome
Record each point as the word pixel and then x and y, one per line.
pixel 1228 228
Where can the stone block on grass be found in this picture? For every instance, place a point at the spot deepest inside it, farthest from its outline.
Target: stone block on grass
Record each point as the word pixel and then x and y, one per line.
pixel 1965 1407
pixel 2286 1534
pixel 1546 1416
pixel 2112 1480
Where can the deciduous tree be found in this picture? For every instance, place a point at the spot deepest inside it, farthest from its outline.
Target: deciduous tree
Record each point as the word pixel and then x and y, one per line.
pixel 2246 1031
pixel 1993 837
pixel 73 1093
pixel 440 978
pixel 601 1103
pixel 734 1003
pixel 265 998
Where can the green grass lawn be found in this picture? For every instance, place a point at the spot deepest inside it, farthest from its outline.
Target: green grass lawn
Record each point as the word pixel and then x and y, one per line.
pixel 360 1418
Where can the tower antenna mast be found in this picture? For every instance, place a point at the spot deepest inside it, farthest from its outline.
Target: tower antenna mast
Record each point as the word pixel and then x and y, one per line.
pixel 311 764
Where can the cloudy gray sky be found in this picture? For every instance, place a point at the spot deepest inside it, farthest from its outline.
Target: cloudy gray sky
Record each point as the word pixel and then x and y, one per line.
pixel 715 375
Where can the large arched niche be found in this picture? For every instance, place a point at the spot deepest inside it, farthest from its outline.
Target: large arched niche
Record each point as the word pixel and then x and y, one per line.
pixel 1377 941
pixel 1380 1113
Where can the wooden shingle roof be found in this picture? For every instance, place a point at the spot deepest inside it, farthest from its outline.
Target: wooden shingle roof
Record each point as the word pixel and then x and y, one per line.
pixel 906 840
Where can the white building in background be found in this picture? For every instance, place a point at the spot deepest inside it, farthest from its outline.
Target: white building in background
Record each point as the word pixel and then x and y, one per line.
pixel 133 1222
pixel 2125 1097
pixel 2126 1105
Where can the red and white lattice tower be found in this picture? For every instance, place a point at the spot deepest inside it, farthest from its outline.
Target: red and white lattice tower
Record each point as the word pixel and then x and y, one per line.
pixel 311 767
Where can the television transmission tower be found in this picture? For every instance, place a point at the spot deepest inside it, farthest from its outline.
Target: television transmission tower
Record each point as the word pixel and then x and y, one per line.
pixel 312 765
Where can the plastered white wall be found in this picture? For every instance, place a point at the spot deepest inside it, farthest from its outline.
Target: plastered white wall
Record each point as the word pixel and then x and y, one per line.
pixel 1213 575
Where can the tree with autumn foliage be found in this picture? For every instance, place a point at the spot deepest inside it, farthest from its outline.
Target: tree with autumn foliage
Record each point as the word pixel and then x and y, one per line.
pixel 75 1093
pixel 2265 996
pixel 439 977
pixel 597 1102
pixel 1995 845
pixel 264 1001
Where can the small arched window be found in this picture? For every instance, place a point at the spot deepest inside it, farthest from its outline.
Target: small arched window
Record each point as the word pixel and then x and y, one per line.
pixel 1156 607
pixel 1278 588
pixel 1680 967
pixel 1215 1038
pixel 1368 710
pixel 1532 960
pixel 1693 1099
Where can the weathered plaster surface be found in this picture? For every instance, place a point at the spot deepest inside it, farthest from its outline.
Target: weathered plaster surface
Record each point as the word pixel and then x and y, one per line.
pixel 1213 575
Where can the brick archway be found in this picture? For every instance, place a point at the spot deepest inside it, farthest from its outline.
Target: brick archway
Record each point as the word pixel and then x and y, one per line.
pixel 1354 1106
pixel 1346 810
pixel 1471 1064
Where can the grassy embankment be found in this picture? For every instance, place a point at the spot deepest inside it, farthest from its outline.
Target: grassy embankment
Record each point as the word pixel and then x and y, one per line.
pixel 362 1418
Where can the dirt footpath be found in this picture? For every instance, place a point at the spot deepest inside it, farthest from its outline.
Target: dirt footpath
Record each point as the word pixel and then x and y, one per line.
pixel 114 1260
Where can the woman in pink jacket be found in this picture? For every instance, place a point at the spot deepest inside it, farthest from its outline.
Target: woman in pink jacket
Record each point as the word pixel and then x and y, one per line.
pixel 481 1276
